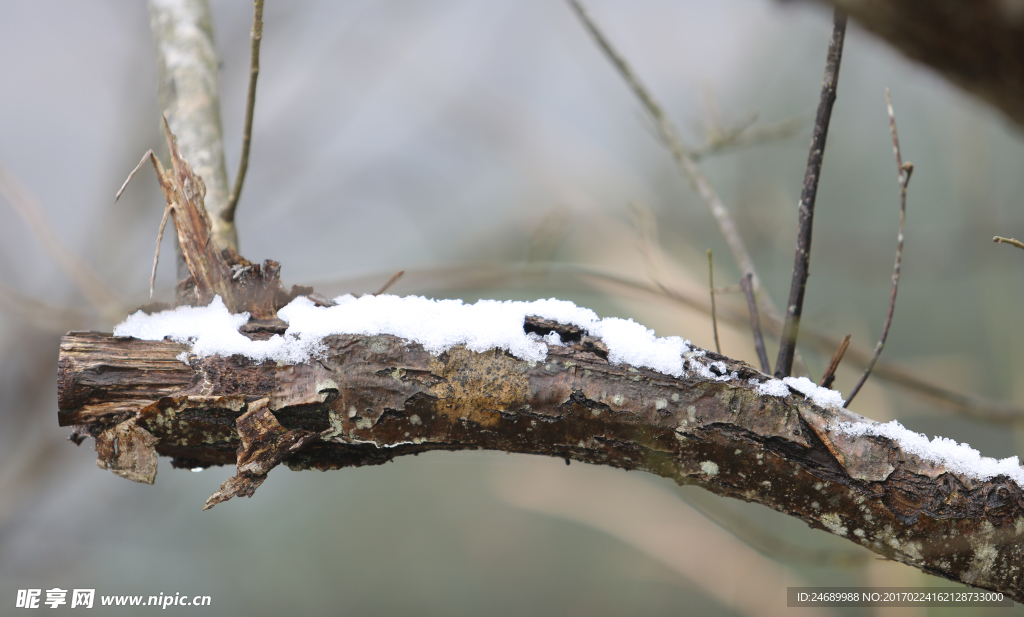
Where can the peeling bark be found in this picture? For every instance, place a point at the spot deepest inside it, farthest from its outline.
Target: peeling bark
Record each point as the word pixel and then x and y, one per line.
pixel 370 399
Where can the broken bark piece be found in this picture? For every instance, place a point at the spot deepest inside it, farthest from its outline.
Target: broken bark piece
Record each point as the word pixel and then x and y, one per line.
pixel 265 443
pixel 244 286
pixel 128 451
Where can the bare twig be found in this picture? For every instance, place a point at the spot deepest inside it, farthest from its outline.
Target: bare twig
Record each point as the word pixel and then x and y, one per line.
pixel 837 357
pixel 755 323
pixel 747 135
pixel 801 262
pixel 1013 241
pixel 391 281
pixel 228 213
pixel 151 157
pixel 102 298
pixel 711 287
pixel 903 171
pixel 698 181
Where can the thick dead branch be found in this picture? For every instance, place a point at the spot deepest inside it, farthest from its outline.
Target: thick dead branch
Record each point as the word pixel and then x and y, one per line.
pixel 373 398
pixel 976 44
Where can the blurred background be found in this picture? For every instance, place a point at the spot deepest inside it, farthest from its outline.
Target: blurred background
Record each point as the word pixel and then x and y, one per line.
pixel 490 150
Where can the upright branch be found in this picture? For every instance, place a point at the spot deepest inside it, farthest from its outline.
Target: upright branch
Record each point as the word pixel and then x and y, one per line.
pixel 711 288
pixel 801 263
pixel 189 97
pixel 833 366
pixel 228 213
pixel 755 322
pixel 903 171
pixel 699 182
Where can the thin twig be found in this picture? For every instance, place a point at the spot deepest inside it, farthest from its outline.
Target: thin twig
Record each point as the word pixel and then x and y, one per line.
pixel 228 213
pixel 755 323
pixel 1013 241
pixel 711 287
pixel 837 357
pixel 151 157
pixel 903 171
pixel 747 135
pixel 801 262
pixel 699 182
pixel 391 281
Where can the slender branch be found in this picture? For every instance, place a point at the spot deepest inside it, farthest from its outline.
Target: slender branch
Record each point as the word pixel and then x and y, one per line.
pixel 228 213
pixel 833 366
pixel 801 262
pixel 1012 241
pixel 903 171
pixel 189 97
pixel 746 135
pixel 391 281
pixel 699 182
pixel 714 316
pixel 755 323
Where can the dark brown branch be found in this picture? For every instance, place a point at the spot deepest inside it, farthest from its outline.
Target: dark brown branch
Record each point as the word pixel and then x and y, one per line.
pixel 801 262
pixel 755 323
pixel 391 281
pixel 714 315
pixel 903 171
pixel 833 366
pixel 370 399
pixel 228 213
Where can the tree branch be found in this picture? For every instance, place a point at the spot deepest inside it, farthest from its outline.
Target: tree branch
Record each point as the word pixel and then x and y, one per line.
pixel 189 95
pixel 370 399
pixel 802 260
pixel 228 213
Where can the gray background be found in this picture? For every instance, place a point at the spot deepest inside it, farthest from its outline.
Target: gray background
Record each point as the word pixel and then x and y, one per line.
pixel 462 141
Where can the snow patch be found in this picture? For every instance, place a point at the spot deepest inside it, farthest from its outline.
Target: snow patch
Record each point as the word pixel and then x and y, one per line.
pixel 823 397
pixel 959 458
pixel 437 325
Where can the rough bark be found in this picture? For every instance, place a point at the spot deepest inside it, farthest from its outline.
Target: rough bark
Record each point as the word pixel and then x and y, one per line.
pixel 373 398
pixel 976 44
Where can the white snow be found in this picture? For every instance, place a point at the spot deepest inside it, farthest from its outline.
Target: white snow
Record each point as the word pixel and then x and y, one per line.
pixel 772 387
pixel 438 325
pixel 956 457
pixel 822 397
